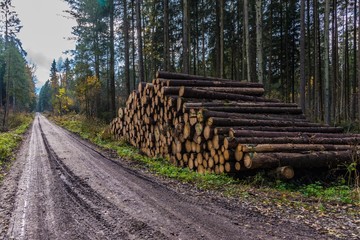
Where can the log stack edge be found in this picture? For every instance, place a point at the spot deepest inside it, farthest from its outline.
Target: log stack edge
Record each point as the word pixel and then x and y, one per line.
pixel 223 126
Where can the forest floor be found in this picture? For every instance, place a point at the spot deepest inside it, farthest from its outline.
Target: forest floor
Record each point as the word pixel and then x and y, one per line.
pixel 63 187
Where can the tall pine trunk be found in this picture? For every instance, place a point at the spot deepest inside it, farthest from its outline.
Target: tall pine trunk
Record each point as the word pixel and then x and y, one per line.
pixel 127 48
pixel 327 99
pixel 302 55
pixel 186 24
pixel 139 41
pixel 166 36
pixel 259 42
pixel 247 40
pixel 112 62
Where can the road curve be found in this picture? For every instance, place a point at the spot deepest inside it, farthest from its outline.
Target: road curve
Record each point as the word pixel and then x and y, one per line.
pixel 61 187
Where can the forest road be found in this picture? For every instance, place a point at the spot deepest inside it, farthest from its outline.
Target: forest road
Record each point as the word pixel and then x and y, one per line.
pixel 61 187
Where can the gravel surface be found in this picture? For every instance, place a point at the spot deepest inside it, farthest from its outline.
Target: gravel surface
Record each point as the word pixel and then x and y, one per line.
pixel 61 187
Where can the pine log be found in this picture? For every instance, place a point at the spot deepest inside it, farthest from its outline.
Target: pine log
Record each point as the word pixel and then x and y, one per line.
pixel 286 172
pixel 288 147
pixel 141 86
pixel 317 129
pixel 252 133
pixel 298 160
pixel 258 110
pixel 205 83
pixel 298 140
pixel 236 90
pixel 204 114
pixel 195 93
pixel 165 91
pixel 218 103
pixel 172 75
pixel 217 122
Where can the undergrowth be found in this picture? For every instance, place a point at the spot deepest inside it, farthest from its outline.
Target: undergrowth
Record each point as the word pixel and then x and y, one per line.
pixel 10 140
pixel 339 191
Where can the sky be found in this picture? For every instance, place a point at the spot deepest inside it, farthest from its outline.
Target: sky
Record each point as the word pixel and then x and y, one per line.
pixel 45 33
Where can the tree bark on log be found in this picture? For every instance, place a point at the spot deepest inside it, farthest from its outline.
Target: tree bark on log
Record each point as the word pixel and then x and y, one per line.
pixel 288 147
pixel 320 129
pixel 217 122
pixel 298 160
pixel 298 140
pixel 252 133
pixel 195 93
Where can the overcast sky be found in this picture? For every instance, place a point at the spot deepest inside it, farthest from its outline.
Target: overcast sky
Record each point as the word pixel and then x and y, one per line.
pixel 45 32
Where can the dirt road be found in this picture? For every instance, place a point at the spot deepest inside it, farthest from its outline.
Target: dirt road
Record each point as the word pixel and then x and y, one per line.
pixel 61 188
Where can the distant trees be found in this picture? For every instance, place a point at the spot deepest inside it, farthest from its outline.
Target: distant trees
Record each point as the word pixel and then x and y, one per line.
pixel 303 51
pixel 17 87
pixel 58 93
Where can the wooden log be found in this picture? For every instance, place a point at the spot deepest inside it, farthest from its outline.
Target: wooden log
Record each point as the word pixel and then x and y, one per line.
pixel 204 114
pixel 141 86
pixel 288 147
pixel 236 90
pixel 165 91
pixel 252 133
pixel 217 122
pixel 121 114
pixel 194 103
pixel 317 129
pixel 199 128
pixel 285 172
pixel 297 160
pixel 195 93
pixel 298 140
pixel 172 75
pixel 230 167
pixel 207 83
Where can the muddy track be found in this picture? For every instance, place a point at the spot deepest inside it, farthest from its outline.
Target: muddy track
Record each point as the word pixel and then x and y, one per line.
pixel 61 187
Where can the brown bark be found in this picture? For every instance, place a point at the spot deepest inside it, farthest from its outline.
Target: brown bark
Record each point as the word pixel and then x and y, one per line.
pixel 204 114
pixel 206 83
pixel 204 94
pixel 217 122
pixel 290 129
pixel 288 147
pixel 251 133
pixel 298 160
pixel 286 172
pixel 298 140
pixel 258 92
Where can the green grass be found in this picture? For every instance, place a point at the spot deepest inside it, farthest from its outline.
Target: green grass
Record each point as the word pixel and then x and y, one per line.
pixel 10 140
pixel 339 192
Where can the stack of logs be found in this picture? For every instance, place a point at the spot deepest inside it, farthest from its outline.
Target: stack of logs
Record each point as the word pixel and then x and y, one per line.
pixel 217 125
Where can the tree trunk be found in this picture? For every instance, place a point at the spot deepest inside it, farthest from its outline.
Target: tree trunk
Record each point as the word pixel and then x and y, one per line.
pixel 127 48
pixel 139 40
pixel 327 98
pixel 302 56
pixel 247 40
pixel 166 36
pixel 221 40
pixel 355 70
pixel 259 42
pixel 186 30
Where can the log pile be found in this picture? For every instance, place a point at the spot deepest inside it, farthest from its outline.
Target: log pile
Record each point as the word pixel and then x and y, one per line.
pixel 222 126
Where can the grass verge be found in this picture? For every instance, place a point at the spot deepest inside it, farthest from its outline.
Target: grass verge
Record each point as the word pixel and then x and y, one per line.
pixel 10 140
pixel 274 191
